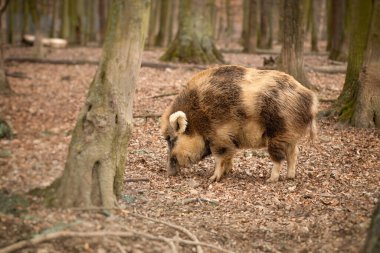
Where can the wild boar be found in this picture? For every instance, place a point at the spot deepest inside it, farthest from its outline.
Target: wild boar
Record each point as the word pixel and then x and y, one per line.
pixel 227 108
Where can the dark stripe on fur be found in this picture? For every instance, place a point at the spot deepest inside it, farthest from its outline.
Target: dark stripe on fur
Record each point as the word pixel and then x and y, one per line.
pixel 270 116
pixel 276 151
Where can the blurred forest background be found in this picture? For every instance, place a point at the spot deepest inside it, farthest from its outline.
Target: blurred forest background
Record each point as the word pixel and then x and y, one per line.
pixel 54 52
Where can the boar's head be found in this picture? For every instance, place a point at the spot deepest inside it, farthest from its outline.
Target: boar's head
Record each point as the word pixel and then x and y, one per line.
pixel 184 147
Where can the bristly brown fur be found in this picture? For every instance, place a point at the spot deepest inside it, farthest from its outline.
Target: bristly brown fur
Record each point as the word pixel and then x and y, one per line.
pixel 232 107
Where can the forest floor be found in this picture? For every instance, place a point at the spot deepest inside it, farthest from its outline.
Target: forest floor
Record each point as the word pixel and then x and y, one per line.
pixel 325 209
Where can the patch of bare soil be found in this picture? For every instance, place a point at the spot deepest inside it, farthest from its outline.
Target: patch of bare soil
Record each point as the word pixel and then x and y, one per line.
pixel 325 209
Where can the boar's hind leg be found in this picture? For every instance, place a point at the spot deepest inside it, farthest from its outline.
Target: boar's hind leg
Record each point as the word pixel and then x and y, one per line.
pixel 291 158
pixel 277 152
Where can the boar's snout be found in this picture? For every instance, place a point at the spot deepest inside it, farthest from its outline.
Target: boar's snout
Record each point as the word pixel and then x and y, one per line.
pixel 173 166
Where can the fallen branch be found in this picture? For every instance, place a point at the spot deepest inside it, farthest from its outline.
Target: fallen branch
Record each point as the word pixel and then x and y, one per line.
pixel 179 228
pixel 166 95
pixel 137 179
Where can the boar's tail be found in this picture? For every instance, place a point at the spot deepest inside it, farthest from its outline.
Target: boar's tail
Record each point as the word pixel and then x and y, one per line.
pixel 313 124
pixel 313 130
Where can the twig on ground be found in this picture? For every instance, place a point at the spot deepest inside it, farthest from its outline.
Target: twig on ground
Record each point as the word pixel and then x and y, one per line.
pixel 147 116
pixel 190 200
pixel 144 179
pixel 129 233
pixel 165 95
pixel 182 229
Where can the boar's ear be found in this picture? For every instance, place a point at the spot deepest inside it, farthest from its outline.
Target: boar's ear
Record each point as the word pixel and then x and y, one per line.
pixel 178 121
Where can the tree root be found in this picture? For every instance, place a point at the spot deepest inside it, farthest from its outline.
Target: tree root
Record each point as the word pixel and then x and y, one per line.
pixel 128 233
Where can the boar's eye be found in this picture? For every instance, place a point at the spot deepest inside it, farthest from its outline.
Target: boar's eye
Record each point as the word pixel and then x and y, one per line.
pixel 171 141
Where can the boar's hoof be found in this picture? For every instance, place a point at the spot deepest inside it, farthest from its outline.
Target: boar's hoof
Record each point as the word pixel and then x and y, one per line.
pixel 272 180
pixel 216 177
pixel 172 172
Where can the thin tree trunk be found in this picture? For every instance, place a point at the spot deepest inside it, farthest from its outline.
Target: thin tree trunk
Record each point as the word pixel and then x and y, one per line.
pixel 154 19
pixel 245 27
pixel 5 88
pixel 265 33
pixel 36 17
pixel 65 20
pixel 329 24
pixel 194 42
pixel 102 19
pixel 166 13
pixel 315 9
pixel 337 53
pixel 94 170
pixel 361 14
pixel 251 39
pixel 53 19
pixel 25 18
pixel 367 108
pixel 291 58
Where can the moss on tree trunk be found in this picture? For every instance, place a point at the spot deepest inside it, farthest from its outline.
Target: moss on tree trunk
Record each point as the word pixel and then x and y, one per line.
pixel 95 164
pixel 193 42
pixel 346 102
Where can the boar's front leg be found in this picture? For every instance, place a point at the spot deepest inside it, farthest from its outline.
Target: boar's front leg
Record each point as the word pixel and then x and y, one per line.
pixel 223 162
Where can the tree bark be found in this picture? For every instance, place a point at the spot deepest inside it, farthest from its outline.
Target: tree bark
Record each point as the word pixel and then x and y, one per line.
pixel 94 170
pixel 251 39
pixel 194 42
pixel 367 109
pixel 344 106
pixel 291 57
pixel 102 19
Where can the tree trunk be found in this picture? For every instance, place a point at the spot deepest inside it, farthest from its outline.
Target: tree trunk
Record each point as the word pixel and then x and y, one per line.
pixel 372 243
pixel 229 23
pixel 280 34
pixel 154 19
pixel 25 18
pixel 315 12
pixel 367 109
pixel 5 88
pixel 53 19
pixel 94 170
pixel 65 20
pixel 166 13
pixel 338 35
pixel 245 27
pixel 251 39
pixel 194 42
pixel 37 44
pixel 265 33
pixel 361 13
pixel 102 19
pixel 291 58
pixel 329 24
